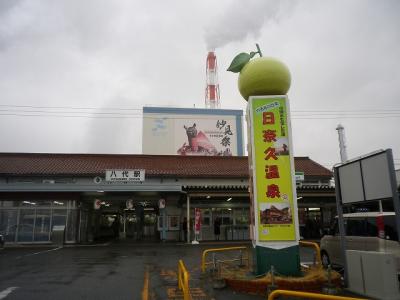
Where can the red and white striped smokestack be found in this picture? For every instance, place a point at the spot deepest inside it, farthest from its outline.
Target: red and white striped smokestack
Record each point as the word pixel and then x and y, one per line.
pixel 212 86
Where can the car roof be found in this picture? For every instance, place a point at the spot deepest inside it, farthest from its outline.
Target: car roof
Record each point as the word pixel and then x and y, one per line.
pixel 369 214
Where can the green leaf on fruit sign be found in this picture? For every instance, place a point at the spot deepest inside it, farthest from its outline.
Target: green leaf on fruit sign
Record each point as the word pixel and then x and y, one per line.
pixel 239 61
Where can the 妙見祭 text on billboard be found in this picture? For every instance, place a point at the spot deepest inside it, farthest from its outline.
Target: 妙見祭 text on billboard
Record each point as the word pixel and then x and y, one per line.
pixel 273 181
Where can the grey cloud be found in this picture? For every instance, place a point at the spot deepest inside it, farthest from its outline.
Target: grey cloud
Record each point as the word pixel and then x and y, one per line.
pixel 240 20
pixel 6 5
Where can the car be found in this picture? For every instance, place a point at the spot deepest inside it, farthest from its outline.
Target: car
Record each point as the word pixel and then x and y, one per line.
pixel 362 233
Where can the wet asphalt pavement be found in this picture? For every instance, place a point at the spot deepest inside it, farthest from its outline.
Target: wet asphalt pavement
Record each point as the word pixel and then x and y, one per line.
pixel 106 271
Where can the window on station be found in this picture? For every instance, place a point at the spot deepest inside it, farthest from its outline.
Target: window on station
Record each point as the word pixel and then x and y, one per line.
pixel 7 204
pixel 43 203
pixel 8 223
pixel 26 225
pixel 33 203
pixel 59 217
pixel 42 225
pixel 241 216
pixel 72 223
pixel 224 214
pixel 205 217
pixel 32 220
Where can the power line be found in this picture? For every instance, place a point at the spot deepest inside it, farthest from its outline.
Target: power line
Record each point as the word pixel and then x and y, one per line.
pixel 348 113
pixel 137 112
pixel 341 111
pixel 69 107
pixel 65 116
pixel 66 112
pixel 108 117
pixel 362 111
pixel 343 117
pixel 105 115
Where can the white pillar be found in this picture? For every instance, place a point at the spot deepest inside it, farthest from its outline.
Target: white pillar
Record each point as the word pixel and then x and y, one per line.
pixel 188 218
pixel 124 234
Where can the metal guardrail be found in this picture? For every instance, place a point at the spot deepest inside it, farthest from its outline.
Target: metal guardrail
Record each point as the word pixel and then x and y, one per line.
pixel 308 295
pixel 183 280
pixel 317 250
pixel 205 252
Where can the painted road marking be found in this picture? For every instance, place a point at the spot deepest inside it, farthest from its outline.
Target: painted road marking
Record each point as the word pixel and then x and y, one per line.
pixel 36 253
pixel 196 293
pixel 7 291
pixel 308 262
pixel 145 292
pixel 90 245
pixel 170 278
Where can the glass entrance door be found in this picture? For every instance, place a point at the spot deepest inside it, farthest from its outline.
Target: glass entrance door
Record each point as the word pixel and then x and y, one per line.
pixel 150 224
pixel 42 225
pixel 26 225
pixel 131 225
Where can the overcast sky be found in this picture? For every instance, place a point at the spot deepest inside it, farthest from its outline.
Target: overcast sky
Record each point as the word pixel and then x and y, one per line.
pixel 74 75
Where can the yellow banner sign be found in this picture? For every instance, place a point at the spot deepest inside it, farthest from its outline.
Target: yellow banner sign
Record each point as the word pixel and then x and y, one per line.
pixel 273 181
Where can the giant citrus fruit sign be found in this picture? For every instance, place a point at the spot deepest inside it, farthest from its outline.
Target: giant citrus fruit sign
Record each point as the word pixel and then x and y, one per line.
pixel 264 76
pixel 260 76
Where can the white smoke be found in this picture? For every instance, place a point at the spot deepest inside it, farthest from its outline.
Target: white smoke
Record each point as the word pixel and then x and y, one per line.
pixel 240 20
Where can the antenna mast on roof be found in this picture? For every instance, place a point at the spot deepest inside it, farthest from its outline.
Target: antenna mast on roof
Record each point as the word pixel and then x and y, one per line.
pixel 342 143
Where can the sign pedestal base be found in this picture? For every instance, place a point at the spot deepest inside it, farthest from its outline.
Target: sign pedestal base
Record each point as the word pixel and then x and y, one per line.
pixel 285 261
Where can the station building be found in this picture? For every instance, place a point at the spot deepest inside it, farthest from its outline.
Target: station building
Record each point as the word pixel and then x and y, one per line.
pixel 75 191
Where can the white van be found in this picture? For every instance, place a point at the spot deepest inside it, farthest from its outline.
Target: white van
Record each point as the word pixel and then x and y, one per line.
pixel 361 234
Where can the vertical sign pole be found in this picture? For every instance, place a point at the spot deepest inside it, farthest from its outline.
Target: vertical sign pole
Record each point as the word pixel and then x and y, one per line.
pixel 164 225
pixel 342 231
pixel 188 219
pixel 395 194
pixel 124 223
pixel 252 227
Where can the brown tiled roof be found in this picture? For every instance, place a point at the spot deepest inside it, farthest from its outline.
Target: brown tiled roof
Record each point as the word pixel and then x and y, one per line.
pixel 37 164
pixel 310 167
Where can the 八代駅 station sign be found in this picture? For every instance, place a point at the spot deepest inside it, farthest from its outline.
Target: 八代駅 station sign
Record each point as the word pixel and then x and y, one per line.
pixel 125 175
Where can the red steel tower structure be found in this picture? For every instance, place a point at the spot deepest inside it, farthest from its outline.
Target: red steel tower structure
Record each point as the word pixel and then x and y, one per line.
pixel 212 86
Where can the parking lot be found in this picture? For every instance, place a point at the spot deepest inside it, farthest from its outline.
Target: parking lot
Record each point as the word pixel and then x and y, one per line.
pixel 106 271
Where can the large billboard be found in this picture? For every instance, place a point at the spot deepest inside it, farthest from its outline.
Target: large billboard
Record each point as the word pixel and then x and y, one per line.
pixel 275 203
pixel 191 131
pixel 366 178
